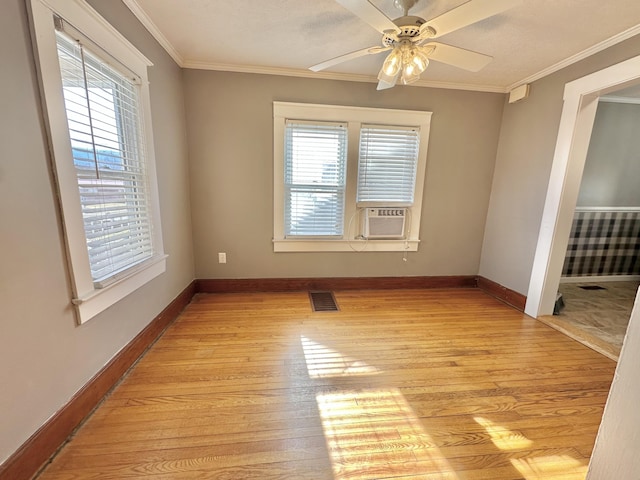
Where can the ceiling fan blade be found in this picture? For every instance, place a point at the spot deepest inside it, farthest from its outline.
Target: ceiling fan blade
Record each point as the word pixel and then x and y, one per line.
pixel 348 56
pixel 370 14
pixel 382 85
pixel 466 14
pixel 456 56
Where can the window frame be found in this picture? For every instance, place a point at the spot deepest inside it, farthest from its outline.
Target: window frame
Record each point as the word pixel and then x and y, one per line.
pixel 354 117
pixel 89 300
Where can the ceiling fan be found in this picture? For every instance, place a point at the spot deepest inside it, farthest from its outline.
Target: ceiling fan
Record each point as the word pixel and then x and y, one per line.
pixel 408 38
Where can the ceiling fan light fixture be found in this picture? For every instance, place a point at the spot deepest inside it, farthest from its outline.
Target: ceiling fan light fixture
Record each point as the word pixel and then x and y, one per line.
pixel 414 62
pixel 410 74
pixel 406 35
pixel 392 64
pixel 419 60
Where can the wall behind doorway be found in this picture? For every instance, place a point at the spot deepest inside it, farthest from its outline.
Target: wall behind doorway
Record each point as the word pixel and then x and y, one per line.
pixel 605 234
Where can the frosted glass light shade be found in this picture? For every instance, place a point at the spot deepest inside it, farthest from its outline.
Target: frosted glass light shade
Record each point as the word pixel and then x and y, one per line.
pixel 410 73
pixel 420 61
pixel 393 63
pixel 406 61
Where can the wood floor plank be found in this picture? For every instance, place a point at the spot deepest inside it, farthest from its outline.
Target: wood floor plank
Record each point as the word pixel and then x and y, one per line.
pixel 398 384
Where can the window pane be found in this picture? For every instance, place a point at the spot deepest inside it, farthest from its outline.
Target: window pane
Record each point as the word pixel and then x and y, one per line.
pixel 312 212
pixel 315 174
pixel 387 163
pixel 102 112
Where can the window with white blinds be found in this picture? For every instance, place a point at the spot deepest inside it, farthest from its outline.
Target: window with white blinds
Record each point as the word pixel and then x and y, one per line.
pixel 387 164
pixel 315 160
pixel 94 88
pixel 102 107
pixel 332 162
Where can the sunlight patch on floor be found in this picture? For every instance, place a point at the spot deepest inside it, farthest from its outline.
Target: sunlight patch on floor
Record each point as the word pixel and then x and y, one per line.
pixel 556 467
pixel 323 361
pixel 560 467
pixel 374 433
pixel 502 437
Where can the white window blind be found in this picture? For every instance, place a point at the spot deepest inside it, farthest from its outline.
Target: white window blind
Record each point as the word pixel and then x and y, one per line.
pixel 315 177
pixel 387 164
pixel 103 113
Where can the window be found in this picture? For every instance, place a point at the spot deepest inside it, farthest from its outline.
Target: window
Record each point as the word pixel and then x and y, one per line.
pixel 315 178
pixel 102 108
pixel 97 104
pixel 387 164
pixel 331 162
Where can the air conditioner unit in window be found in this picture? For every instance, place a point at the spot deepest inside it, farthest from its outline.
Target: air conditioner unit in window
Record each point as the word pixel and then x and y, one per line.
pixel 384 222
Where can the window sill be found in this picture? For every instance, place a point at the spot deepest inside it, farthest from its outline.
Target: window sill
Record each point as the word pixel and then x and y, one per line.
pixel 92 303
pixel 316 245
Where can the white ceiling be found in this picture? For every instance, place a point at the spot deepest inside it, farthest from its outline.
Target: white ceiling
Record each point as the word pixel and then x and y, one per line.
pixel 288 36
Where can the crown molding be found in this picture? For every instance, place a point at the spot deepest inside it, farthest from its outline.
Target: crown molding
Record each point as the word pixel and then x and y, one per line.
pixel 598 47
pixel 141 15
pixel 349 77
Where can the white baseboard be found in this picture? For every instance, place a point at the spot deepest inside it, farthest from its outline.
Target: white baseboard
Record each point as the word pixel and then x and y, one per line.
pixel 604 278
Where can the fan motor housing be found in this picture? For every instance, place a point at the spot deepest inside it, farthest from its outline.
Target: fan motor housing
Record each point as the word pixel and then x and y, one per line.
pixel 409 26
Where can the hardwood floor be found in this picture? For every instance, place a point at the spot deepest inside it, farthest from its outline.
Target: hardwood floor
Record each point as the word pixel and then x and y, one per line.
pixel 402 384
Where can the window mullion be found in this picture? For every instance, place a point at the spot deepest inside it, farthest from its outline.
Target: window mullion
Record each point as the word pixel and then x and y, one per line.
pixel 351 220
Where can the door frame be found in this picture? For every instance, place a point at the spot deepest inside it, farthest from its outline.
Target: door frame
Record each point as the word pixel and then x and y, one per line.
pixel 574 133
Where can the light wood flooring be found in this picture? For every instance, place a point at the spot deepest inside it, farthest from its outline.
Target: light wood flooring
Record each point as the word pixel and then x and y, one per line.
pixel 399 384
pixel 596 318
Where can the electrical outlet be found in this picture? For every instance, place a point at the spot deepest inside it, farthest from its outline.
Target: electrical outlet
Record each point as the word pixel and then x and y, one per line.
pixel 222 257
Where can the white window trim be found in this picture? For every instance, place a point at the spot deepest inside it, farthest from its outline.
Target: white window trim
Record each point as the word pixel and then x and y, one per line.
pixel 89 300
pixel 354 116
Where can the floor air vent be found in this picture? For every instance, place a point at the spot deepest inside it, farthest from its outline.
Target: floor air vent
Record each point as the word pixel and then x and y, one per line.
pixel 323 302
pixel 592 287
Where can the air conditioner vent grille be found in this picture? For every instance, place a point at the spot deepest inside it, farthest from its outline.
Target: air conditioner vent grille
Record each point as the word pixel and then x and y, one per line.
pixel 384 223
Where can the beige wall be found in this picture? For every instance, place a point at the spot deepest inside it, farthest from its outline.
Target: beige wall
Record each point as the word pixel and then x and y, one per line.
pixel 230 133
pixel 522 169
pixel 44 356
pixel 612 168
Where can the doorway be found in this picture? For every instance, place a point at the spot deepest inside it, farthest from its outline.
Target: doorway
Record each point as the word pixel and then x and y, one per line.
pixel 576 123
pixel 600 275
